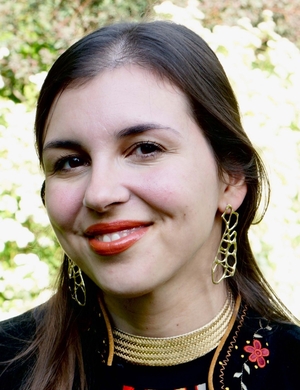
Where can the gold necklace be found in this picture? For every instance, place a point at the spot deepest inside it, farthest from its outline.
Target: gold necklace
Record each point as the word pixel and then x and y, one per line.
pixel 169 351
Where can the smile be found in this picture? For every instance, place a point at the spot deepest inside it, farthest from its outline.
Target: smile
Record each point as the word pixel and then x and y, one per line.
pixel 116 237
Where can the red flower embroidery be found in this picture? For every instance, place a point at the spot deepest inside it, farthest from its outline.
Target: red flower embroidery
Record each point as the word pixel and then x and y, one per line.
pixel 257 353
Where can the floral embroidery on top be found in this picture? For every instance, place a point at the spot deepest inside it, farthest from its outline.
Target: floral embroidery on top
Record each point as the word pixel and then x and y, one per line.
pixel 257 353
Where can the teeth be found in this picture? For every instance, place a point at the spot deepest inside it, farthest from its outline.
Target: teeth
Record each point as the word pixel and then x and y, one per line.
pixel 115 236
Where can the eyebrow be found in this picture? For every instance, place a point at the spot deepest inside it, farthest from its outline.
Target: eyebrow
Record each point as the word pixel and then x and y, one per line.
pixel 142 128
pixel 63 144
pixel 127 131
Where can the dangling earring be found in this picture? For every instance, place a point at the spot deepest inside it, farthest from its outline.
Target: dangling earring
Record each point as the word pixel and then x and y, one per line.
pixel 226 256
pixel 77 286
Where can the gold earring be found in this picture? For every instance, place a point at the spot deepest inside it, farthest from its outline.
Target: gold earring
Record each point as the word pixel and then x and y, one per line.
pixel 226 256
pixel 77 285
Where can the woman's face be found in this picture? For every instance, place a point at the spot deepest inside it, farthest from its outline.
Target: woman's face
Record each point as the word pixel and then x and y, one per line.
pixel 132 189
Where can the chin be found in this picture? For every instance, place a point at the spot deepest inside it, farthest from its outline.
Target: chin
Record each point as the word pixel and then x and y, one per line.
pixel 126 292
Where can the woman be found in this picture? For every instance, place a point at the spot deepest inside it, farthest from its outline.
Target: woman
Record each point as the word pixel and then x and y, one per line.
pixel 151 185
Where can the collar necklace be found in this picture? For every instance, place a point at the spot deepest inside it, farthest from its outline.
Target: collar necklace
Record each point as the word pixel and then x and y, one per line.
pixel 169 351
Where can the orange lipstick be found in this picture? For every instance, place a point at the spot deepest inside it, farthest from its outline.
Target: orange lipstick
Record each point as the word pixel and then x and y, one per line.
pixel 112 238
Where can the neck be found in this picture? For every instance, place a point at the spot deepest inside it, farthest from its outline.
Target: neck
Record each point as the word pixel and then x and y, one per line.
pixel 163 314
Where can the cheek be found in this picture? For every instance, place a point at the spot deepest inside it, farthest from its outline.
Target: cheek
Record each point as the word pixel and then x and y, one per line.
pixel 164 189
pixel 180 177
pixel 62 205
pixel 160 183
pixel 185 190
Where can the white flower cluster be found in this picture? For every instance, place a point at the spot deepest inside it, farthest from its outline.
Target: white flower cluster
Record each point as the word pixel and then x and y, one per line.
pixel 24 278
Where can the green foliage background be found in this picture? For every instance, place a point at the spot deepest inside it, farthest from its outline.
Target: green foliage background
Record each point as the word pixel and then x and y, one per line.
pixel 257 42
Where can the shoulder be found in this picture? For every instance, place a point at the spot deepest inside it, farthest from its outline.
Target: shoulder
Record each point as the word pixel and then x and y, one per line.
pixel 285 340
pixel 19 322
pixel 15 332
pixel 291 332
pixel 16 335
pixel 281 339
pixel 287 334
pixel 260 354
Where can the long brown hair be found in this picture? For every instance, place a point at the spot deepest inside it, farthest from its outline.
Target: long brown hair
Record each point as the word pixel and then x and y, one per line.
pixel 175 53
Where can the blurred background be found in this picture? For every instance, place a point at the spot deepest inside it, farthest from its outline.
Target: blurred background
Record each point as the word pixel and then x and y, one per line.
pixel 257 42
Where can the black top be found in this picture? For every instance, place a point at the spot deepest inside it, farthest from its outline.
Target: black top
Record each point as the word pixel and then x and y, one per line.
pixel 256 356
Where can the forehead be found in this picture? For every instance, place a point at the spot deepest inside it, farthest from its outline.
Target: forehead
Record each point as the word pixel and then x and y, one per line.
pixel 117 97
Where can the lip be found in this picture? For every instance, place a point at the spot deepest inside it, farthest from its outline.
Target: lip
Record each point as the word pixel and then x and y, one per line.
pixel 119 245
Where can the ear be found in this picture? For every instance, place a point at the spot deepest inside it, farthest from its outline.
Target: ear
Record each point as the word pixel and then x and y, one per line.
pixel 43 189
pixel 234 190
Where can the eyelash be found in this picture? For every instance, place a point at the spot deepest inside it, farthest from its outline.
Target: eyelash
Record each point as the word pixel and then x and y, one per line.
pixel 59 164
pixel 158 149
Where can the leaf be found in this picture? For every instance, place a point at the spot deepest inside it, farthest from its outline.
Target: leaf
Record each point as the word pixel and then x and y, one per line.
pixel 237 375
pixel 244 387
pixel 247 368
pixel 258 336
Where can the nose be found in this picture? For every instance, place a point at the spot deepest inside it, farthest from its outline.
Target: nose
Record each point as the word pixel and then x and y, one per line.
pixel 105 188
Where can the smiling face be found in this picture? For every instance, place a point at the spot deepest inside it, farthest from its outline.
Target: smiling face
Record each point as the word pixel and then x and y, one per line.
pixel 132 189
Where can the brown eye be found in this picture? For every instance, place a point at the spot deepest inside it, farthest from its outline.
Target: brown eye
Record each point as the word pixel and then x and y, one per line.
pixel 70 162
pixel 146 150
pixel 74 162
